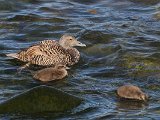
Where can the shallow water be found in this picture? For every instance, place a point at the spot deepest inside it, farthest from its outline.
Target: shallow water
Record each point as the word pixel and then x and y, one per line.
pixel 123 47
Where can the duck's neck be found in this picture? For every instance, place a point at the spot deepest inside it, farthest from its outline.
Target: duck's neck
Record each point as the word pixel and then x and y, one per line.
pixel 75 55
pixel 64 44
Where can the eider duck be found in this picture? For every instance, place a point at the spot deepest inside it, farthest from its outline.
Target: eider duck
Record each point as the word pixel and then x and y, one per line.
pixel 52 73
pixel 131 92
pixel 51 52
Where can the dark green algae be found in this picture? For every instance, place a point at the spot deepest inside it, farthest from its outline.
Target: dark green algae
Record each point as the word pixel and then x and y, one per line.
pixel 40 99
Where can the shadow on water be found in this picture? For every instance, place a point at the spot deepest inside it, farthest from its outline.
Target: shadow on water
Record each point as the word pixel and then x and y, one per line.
pixel 130 105
pixel 122 39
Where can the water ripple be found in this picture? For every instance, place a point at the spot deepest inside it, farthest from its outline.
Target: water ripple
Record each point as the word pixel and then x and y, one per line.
pixel 122 39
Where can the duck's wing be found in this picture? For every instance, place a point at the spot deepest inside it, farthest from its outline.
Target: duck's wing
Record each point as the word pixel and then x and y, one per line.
pixel 53 50
pixel 57 74
pixel 27 54
pixel 44 60
pixel 39 48
pixel 52 54
pixel 47 52
pixel 58 54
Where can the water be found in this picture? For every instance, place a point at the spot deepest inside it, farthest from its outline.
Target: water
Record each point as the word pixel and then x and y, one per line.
pixel 123 47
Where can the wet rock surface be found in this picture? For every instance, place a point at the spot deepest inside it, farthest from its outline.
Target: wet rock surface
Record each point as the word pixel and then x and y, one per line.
pixel 40 99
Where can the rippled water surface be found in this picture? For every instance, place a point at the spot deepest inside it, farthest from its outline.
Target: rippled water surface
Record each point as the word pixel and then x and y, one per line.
pixel 123 47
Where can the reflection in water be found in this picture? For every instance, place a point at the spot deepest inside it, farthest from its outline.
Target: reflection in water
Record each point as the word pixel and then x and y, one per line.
pixel 124 105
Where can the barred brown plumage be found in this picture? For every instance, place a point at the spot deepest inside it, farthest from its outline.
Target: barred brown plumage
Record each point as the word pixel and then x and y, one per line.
pixel 51 52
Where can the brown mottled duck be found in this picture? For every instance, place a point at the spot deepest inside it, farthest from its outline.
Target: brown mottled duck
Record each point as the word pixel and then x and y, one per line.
pixel 50 52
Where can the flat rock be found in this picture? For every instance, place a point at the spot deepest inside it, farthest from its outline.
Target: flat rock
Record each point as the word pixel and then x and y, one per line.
pixel 40 99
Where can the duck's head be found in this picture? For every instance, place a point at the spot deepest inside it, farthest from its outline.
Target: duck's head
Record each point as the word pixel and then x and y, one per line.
pixel 68 41
pixel 61 66
pixel 142 96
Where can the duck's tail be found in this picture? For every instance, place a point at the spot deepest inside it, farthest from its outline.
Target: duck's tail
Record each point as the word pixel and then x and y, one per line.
pixel 14 55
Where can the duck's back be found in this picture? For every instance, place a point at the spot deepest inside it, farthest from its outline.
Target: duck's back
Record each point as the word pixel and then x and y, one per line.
pixel 52 54
pixel 48 52
pixel 49 74
pixel 55 53
pixel 39 49
pixel 44 74
pixel 28 54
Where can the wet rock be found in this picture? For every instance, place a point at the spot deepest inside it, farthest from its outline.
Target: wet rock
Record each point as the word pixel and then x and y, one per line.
pixel 147 2
pixel 40 99
pixel 131 92
pixel 157 15
pixel 10 5
pixel 139 66
pixel 96 37
pixel 101 49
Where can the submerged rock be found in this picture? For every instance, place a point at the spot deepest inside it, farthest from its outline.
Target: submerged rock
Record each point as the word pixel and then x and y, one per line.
pixel 147 2
pixel 131 92
pixel 157 15
pixel 40 99
pixel 139 66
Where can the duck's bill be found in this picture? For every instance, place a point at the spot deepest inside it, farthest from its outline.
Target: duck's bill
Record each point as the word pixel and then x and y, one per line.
pixel 81 44
pixel 67 68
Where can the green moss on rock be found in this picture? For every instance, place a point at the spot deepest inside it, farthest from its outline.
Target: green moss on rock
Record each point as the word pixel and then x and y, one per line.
pixel 139 66
pixel 40 99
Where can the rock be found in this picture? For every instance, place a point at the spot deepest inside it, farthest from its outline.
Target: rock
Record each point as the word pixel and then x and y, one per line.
pixel 139 66
pixel 147 2
pixel 157 15
pixel 131 92
pixel 40 99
